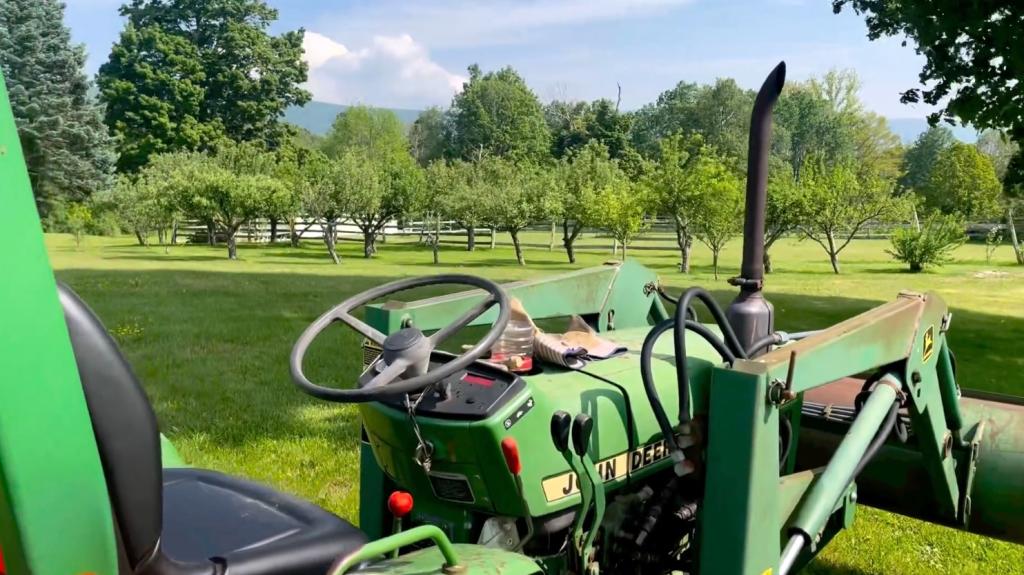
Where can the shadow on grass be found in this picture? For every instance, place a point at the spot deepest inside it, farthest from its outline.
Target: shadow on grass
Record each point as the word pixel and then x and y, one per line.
pixel 212 349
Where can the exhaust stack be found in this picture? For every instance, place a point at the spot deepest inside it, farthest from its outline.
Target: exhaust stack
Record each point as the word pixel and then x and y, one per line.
pixel 750 314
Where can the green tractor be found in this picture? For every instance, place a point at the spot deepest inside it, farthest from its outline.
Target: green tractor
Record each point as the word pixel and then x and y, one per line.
pixel 726 447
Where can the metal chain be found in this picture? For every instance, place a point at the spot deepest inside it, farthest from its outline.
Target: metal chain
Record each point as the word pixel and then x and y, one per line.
pixel 424 450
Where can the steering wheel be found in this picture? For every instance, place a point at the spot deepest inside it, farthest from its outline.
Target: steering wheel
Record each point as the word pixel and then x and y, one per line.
pixel 404 364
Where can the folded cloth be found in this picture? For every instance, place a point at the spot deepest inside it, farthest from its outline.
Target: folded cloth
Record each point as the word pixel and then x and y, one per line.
pixel 575 347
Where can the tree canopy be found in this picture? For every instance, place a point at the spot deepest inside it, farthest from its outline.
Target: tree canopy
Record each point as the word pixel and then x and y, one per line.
pixel 963 182
pixel 67 149
pixel 973 60
pixel 497 114
pixel 184 74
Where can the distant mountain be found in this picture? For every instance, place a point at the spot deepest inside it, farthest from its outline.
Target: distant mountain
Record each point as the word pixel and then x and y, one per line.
pixel 317 117
pixel 909 129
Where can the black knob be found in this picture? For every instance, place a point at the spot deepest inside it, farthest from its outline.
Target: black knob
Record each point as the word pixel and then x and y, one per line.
pixel 560 424
pixel 582 427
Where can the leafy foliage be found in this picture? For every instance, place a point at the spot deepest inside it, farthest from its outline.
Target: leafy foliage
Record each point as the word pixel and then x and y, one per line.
pixel 183 74
pixel 622 207
pixel 719 216
pixel 67 149
pixel 840 202
pixel 922 156
pixel 964 182
pixel 933 244
pixel 457 189
pixel 582 179
pixel 518 195
pixel 972 52
pixel 679 177
pixel 427 136
pixel 79 218
pixel 375 132
pixel 497 114
pixel 377 190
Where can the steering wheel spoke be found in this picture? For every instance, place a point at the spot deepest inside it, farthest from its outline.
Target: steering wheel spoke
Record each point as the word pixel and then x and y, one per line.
pixel 368 332
pixel 439 337
pixel 390 373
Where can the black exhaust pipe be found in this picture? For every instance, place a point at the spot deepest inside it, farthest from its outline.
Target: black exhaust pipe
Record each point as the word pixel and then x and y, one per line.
pixel 751 316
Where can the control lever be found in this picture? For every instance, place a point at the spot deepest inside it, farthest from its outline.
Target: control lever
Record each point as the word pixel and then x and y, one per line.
pixel 561 429
pixel 583 427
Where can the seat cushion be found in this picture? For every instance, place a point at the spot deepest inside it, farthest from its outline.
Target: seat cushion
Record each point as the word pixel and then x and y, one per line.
pixel 249 528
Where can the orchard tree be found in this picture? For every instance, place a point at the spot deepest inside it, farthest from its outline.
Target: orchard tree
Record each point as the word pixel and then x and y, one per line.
pixel 963 181
pixel 184 74
pixel 922 156
pixel 324 193
pixel 719 217
pixel 295 167
pixel 676 182
pixel 497 114
pixel 1013 197
pixel 68 151
pixel 459 190
pixel 972 64
pixel 518 195
pixel 840 201
pixel 785 209
pixel 427 136
pixel 622 209
pixel 582 179
pixel 378 190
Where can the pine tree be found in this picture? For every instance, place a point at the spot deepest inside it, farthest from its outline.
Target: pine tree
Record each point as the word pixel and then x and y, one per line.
pixel 67 147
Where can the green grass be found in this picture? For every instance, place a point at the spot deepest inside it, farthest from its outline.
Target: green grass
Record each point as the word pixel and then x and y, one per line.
pixel 210 340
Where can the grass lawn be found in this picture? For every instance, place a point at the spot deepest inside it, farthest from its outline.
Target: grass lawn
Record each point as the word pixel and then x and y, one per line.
pixel 210 339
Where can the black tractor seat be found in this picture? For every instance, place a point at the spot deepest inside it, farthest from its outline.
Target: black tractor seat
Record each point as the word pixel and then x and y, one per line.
pixel 187 521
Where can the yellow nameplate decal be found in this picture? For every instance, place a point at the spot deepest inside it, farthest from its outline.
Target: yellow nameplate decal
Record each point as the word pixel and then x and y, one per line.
pixel 614 468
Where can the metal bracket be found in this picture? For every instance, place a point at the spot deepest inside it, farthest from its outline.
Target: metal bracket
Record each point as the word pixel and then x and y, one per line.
pixel 964 513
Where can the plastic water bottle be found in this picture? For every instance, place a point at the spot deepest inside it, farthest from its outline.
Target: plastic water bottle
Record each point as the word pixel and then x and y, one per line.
pixel 515 347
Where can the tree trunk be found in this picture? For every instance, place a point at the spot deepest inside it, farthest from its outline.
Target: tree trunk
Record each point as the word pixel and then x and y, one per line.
pixel 833 256
pixel 551 244
pixel 615 247
pixel 174 233
pixel 569 242
pixel 519 249
pixel 161 235
pixel 141 237
pixel 273 230
pixel 293 233
pixel 494 239
pixel 623 251
pixel 232 245
pixel 211 234
pixel 714 260
pixel 369 244
pixel 437 240
pixel 1018 250
pixel 685 243
pixel 331 240
pixel 470 238
pixel 915 267
pixel 767 261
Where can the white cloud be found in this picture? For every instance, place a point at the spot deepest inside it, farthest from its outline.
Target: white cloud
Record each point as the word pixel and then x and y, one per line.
pixel 392 71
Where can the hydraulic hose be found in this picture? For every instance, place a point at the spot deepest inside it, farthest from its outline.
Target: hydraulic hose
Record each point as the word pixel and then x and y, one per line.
pixel 646 353
pixel 682 375
pixel 777 338
pixel 883 433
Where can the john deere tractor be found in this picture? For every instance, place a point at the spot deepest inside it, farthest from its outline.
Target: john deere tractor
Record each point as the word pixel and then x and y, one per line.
pixel 715 444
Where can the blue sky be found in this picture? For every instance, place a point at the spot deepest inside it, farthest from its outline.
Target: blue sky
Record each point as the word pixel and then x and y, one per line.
pixel 411 54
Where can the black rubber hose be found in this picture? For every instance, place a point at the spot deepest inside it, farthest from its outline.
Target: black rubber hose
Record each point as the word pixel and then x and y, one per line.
pixel 646 375
pixel 770 339
pixel 682 375
pixel 691 313
pixel 888 424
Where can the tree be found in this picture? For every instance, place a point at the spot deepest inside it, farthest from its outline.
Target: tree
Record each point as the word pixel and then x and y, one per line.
pixel 324 193
pixel 149 201
pixel 518 195
pixel 497 114
pixel 582 179
pixel 378 190
pixel 427 136
pixel 458 190
pixel 999 149
pixel 375 132
pixel 932 244
pixel 67 150
pixel 672 113
pixel 719 216
pixel 676 182
pixel 622 207
pixel 971 49
pixel 213 193
pixel 184 74
pixel 79 217
pixel 963 181
pixel 785 209
pixel 1013 196
pixel 722 117
pixel 922 156
pixel 575 124
pixel 839 203
pixel 297 168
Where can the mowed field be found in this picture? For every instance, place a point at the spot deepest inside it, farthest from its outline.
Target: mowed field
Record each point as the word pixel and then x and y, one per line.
pixel 210 340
